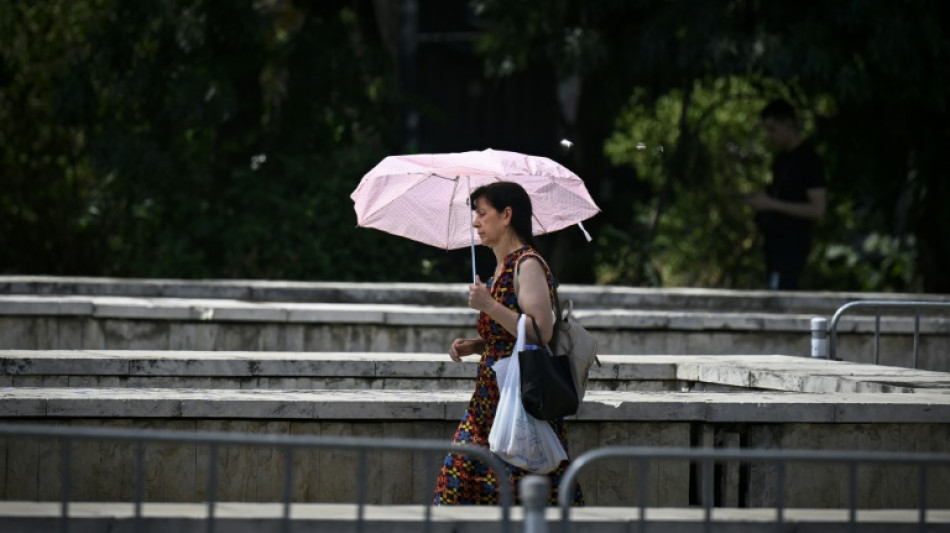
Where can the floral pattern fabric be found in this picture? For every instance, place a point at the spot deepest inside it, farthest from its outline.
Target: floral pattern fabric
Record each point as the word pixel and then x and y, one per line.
pixel 464 479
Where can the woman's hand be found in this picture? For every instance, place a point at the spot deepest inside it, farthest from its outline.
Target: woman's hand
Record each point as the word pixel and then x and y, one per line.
pixel 479 298
pixel 462 347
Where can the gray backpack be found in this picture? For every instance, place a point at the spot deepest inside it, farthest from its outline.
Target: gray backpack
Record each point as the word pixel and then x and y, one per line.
pixel 571 339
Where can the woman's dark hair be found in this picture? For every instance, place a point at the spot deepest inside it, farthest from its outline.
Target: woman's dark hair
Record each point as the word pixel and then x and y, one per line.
pixel 502 194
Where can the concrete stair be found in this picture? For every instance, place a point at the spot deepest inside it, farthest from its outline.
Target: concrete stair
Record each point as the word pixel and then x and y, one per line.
pixel 776 402
pixel 444 294
pixel 400 371
pixel 34 322
pixel 368 360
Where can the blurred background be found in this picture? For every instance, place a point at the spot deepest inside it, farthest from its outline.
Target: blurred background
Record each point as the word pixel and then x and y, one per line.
pixel 222 138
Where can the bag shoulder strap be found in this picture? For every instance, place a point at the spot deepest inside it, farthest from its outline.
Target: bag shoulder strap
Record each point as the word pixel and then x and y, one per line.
pixel 557 302
pixel 527 255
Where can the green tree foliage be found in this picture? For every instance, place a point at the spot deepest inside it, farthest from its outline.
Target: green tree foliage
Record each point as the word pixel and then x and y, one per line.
pixel 192 138
pixel 218 138
pixel 698 152
pixel 872 73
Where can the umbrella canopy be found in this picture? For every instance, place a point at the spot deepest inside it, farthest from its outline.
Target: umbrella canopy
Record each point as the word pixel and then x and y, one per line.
pixel 424 197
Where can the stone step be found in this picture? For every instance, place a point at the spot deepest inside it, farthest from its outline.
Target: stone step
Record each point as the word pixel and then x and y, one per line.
pixel 445 294
pixel 816 418
pixel 90 322
pixel 445 405
pixel 243 517
pixel 376 371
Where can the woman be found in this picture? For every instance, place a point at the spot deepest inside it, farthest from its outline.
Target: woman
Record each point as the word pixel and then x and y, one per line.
pixel 503 221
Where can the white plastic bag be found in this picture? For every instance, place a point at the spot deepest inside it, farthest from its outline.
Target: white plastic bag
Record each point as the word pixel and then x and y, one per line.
pixel 517 437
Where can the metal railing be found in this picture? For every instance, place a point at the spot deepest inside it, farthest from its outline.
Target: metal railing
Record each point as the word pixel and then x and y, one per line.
pixel 534 489
pixel 877 305
pixel 709 456
pixel 288 443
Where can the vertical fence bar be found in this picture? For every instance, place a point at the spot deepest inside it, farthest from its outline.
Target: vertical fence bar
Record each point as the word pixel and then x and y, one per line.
pixel 853 495
pixel 916 337
pixel 139 481
pixel 922 512
pixel 707 494
pixel 642 489
pixel 212 483
pixel 66 443
pixel 429 487
pixel 361 492
pixel 288 486
pixel 877 336
pixel 780 497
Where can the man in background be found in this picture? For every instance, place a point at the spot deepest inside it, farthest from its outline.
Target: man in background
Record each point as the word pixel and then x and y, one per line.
pixel 795 199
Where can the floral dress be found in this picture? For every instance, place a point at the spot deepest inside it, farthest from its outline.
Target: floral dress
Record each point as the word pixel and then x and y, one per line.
pixel 464 479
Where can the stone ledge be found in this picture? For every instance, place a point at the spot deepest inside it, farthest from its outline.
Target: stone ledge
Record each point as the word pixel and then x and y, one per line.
pixel 771 372
pixel 449 405
pixel 446 294
pixel 229 364
pixel 230 311
pixel 254 517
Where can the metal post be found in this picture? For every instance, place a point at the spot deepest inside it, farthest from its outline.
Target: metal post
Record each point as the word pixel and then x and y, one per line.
pixel 922 495
pixel 139 482
pixel 819 338
pixel 853 496
pixel 64 490
pixel 707 495
pixel 288 487
pixel 212 484
pixel 361 490
pixel 430 491
pixel 642 490
pixel 780 497
pixel 534 496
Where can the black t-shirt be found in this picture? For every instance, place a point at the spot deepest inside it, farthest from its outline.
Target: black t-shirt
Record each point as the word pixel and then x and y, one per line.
pixel 793 173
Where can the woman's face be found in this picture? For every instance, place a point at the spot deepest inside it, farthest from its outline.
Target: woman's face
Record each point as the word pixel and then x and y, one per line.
pixel 490 223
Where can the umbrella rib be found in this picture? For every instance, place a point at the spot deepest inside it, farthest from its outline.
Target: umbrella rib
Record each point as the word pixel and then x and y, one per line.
pixel 409 188
pixel 448 223
pixel 538 220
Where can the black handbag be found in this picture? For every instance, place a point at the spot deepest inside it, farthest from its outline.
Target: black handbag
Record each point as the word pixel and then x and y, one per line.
pixel 547 387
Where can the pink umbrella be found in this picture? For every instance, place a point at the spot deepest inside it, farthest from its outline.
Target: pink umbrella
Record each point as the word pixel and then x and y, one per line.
pixel 424 197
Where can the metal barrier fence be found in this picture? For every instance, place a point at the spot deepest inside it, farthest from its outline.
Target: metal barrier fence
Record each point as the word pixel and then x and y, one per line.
pixel 534 489
pixel 288 443
pixel 877 305
pixel 709 456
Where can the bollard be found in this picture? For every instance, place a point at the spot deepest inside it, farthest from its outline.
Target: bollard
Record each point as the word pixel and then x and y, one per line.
pixel 534 498
pixel 819 338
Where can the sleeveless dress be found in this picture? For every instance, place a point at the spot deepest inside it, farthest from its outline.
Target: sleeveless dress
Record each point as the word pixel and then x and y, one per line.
pixel 464 479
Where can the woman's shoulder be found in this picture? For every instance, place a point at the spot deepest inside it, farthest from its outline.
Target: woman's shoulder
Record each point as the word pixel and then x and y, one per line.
pixel 531 257
pixel 529 254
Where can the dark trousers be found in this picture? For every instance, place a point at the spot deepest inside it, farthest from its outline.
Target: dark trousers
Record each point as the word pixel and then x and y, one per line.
pixel 784 263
